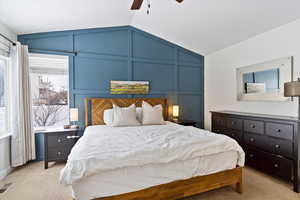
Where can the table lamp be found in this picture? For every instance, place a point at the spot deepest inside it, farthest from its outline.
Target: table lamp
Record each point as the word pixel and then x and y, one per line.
pixel 74 117
pixel 292 89
pixel 175 112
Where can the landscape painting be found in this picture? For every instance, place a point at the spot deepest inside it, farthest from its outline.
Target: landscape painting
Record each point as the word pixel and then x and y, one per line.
pixel 129 87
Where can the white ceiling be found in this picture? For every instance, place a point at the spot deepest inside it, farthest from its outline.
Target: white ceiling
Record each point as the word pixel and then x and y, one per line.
pixel 204 26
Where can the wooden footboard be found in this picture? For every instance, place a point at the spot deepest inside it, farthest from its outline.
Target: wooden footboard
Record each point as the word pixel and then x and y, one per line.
pixel 184 188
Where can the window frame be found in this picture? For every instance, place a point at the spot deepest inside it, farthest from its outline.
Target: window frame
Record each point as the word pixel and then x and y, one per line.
pixel 7 93
pixel 47 56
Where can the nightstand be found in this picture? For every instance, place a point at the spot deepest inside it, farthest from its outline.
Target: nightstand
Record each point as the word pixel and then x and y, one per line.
pixel 185 122
pixel 58 144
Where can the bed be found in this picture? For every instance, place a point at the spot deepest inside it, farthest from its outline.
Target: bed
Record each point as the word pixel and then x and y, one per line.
pixel 157 162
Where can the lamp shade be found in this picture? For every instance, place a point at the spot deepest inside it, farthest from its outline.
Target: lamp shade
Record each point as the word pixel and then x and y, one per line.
pixel 292 89
pixel 175 111
pixel 73 114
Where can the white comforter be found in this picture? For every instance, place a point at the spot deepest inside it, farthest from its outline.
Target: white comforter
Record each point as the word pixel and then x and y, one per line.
pixel 105 148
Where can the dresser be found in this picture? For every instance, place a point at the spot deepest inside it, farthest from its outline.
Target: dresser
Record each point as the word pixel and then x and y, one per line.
pixel 271 142
pixel 58 144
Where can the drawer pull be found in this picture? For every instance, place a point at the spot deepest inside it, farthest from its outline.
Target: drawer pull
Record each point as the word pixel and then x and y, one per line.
pixel 252 125
pixel 252 140
pixel 233 135
pixel 59 153
pixel 276 165
pixel 277 146
pixel 233 123
pixel 59 140
pixel 251 155
pixel 72 136
pixel 278 130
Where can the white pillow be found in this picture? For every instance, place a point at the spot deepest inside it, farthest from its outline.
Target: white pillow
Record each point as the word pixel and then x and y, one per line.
pixel 125 116
pixel 108 116
pixel 152 115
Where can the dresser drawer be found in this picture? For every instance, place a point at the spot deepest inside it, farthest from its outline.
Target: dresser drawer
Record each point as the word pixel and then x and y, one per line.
pixel 270 163
pixel 234 123
pixel 234 134
pixel 284 131
pixel 59 140
pixel 254 126
pixel 281 167
pixel 58 154
pixel 219 129
pixel 253 158
pixel 280 147
pixel 219 121
pixel 255 140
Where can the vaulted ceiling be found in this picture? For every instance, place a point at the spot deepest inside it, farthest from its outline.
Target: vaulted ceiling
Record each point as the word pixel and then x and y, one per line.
pixel 204 26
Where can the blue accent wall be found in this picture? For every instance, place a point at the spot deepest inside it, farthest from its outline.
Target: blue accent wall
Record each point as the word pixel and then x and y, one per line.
pixel 126 53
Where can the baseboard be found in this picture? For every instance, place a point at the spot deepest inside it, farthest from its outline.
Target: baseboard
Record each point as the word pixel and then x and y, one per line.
pixel 5 172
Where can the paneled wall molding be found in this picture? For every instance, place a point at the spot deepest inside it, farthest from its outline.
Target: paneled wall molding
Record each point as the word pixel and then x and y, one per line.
pixel 100 30
pixel 102 56
pixel 88 91
pixel 147 60
pixel 188 65
pixel 46 35
pixel 153 63
pixel 126 53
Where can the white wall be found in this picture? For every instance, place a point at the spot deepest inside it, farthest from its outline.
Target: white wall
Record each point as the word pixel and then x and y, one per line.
pixel 5 142
pixel 220 78
pixel 7 32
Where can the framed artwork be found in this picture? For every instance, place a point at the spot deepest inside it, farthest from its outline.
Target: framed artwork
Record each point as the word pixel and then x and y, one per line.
pixel 129 87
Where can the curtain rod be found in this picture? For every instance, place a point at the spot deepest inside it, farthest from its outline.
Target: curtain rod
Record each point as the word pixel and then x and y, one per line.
pixel 13 43
pixel 54 51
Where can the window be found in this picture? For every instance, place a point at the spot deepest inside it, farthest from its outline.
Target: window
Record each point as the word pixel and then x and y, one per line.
pixel 49 90
pixel 4 95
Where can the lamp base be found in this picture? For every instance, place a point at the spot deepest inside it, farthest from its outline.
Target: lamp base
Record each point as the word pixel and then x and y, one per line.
pixel 175 119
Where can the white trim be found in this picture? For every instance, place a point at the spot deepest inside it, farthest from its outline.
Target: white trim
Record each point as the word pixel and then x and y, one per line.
pixel 51 56
pixel 7 91
pixel 4 136
pixel 5 172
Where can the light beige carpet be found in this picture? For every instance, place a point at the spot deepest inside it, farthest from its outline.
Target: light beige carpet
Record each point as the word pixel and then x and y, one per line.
pixel 32 182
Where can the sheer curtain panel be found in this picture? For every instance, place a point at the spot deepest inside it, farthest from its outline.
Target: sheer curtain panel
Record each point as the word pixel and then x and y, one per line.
pixel 22 143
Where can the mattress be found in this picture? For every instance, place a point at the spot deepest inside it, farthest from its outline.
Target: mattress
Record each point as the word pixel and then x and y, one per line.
pixel 131 179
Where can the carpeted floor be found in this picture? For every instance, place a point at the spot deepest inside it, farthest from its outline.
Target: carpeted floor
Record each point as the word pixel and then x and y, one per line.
pixel 32 182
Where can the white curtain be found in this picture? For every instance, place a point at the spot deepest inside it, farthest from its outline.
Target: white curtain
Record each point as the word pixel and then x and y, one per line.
pixel 22 143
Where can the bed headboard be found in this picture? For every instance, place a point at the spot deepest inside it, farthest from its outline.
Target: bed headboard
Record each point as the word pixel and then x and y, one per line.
pixel 94 107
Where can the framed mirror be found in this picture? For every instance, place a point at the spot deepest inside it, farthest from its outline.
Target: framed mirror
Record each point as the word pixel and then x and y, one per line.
pixel 264 81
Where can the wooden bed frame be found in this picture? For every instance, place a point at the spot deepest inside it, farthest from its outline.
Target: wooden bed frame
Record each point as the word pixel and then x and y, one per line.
pixel 94 108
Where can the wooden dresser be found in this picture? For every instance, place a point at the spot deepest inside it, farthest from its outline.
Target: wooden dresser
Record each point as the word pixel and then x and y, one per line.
pixel 271 142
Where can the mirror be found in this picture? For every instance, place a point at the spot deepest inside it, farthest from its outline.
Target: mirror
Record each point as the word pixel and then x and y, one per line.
pixel 264 81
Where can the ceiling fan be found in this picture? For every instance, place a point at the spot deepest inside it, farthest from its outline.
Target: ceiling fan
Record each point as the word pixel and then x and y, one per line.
pixel 137 4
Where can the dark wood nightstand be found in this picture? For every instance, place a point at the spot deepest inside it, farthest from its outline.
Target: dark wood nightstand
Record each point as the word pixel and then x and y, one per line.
pixel 58 144
pixel 185 122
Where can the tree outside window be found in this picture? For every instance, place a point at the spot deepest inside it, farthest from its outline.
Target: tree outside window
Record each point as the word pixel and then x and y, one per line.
pixel 49 86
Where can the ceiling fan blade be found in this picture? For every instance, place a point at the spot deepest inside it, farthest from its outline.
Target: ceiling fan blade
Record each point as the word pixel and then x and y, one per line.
pixel 136 4
pixel 179 1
